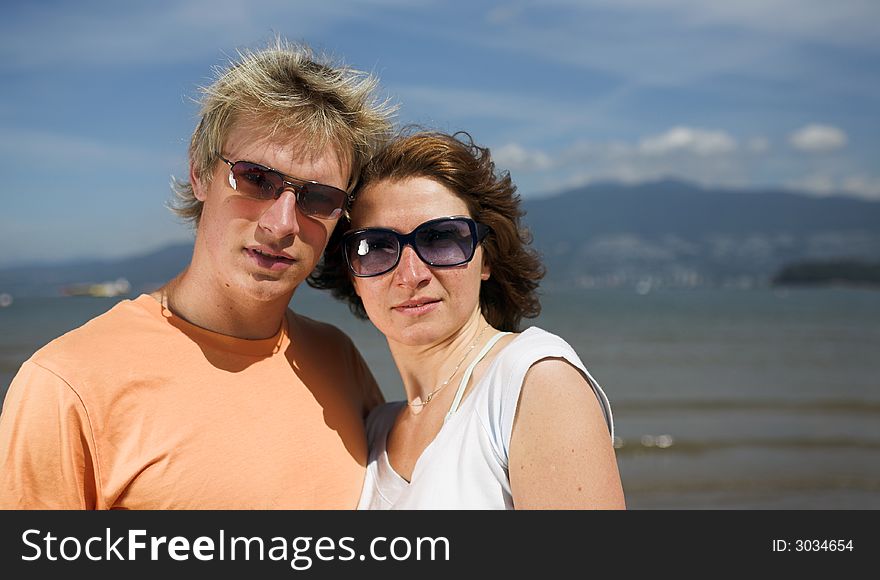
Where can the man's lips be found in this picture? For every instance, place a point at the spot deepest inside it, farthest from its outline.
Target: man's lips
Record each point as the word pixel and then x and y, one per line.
pixel 269 259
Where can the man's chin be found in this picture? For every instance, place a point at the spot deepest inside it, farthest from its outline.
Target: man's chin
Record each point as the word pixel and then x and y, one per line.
pixel 269 285
pixel 267 288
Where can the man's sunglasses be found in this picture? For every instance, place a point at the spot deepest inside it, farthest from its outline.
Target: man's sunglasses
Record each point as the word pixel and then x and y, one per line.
pixel 259 182
pixel 442 242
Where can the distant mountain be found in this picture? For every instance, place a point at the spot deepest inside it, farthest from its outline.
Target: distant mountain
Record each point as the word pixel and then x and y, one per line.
pixel 144 272
pixel 666 233
pixel 677 234
pixel 680 208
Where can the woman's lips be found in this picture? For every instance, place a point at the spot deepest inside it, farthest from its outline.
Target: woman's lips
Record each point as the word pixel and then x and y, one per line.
pixel 269 261
pixel 416 307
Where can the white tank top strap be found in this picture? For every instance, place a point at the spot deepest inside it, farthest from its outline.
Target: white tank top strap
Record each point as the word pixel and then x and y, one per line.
pixel 467 374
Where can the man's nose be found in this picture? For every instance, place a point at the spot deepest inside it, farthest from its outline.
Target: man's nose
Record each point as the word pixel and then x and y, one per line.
pixel 411 270
pixel 280 217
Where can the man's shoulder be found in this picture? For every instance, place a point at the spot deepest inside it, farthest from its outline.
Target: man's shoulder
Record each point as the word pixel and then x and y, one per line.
pixel 329 349
pixel 317 329
pixel 111 328
pixel 323 341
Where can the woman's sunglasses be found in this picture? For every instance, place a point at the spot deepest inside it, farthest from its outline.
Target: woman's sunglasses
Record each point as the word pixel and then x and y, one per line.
pixel 259 182
pixel 442 242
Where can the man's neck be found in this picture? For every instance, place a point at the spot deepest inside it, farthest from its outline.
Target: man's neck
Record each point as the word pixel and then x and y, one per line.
pixel 221 312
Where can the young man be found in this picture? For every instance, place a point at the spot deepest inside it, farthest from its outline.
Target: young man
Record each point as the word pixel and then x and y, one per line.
pixel 210 393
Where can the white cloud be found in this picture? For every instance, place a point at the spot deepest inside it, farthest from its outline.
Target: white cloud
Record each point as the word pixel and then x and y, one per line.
pixel 677 42
pixel 758 145
pixel 518 116
pixel 35 146
pixel 515 157
pixel 505 14
pixel 455 102
pixel 708 157
pixel 584 162
pixel 688 139
pixel 844 22
pixel 864 186
pixel 818 138
pixel 818 184
pixel 102 33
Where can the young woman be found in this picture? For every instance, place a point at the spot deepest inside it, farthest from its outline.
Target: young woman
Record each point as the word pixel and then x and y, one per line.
pixel 494 418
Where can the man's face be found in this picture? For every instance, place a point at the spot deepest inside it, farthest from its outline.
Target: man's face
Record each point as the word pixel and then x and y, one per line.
pixel 261 249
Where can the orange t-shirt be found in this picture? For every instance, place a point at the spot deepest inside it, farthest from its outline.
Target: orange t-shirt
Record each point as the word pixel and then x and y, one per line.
pixel 138 409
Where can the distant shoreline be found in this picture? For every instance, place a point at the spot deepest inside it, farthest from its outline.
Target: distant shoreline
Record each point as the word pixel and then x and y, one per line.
pixel 848 273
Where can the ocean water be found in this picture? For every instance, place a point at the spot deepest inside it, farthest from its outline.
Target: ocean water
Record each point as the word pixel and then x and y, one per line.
pixel 722 399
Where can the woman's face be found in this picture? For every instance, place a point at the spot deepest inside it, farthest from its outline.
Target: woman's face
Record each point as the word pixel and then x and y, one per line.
pixel 416 304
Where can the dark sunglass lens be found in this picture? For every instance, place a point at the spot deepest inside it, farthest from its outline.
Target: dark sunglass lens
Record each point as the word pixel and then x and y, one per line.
pixel 255 181
pixel 372 253
pixel 320 200
pixel 446 243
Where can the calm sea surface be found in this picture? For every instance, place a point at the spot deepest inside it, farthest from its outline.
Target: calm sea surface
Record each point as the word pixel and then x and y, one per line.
pixel 723 399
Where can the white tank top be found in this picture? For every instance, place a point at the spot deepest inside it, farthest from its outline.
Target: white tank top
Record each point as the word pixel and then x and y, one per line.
pixel 465 466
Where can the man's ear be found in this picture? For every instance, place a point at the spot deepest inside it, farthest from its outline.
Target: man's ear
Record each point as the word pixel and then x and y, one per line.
pixel 198 186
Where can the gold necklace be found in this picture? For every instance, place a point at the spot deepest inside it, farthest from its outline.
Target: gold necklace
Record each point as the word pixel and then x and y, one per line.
pixel 417 403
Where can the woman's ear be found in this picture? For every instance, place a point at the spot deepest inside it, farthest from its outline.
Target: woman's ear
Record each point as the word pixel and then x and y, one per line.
pixel 485 270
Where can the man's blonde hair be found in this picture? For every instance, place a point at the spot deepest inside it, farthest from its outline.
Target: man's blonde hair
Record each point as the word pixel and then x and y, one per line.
pixel 287 91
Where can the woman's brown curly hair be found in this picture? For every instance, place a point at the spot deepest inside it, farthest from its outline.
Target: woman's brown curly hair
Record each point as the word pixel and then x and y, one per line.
pixel 456 162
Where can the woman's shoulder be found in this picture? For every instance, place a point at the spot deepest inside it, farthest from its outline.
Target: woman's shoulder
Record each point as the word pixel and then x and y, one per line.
pixel 559 362
pixel 535 334
pixel 534 344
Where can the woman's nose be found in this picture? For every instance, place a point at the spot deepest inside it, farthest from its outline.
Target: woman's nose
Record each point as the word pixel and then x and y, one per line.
pixel 411 270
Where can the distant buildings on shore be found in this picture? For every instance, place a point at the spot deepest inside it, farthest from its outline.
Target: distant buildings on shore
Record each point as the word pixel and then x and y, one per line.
pixel 118 287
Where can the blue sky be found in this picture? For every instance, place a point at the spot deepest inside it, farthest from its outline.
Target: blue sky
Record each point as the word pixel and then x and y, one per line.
pixel 96 107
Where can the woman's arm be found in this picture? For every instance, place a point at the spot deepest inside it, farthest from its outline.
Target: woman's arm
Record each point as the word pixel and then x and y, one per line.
pixel 561 453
